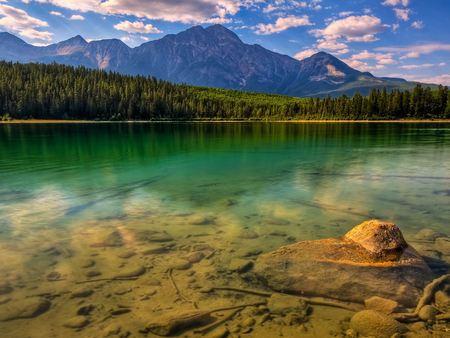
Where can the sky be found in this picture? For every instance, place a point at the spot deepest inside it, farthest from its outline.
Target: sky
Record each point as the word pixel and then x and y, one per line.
pixel 394 38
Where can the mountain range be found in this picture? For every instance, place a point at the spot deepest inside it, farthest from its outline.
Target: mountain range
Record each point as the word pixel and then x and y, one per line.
pixel 212 57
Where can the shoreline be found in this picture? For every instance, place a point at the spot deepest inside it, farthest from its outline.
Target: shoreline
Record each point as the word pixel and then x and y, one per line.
pixel 229 121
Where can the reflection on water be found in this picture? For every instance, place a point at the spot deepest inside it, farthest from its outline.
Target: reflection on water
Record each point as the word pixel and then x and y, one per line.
pixel 238 189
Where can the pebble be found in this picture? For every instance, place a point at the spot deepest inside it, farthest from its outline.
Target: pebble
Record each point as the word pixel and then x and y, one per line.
pixel 442 301
pixel 111 330
pixel 372 323
pixel 248 322
pixel 154 250
pixel 283 304
pixel 206 262
pixel 427 312
pixel 92 273
pixel 199 220
pixel 382 305
pixel 114 239
pixel 247 234
pixel 201 247
pixel 194 257
pixel 247 253
pixel 150 292
pixel 160 237
pixel 247 330
pixel 121 290
pixel 191 280
pixel 238 264
pixel 85 310
pixel 131 272
pixel 220 332
pixel 235 329
pixel 419 326
pixel 127 254
pixel 277 221
pixel 77 322
pixel 429 235
pixel 443 245
pixel 82 292
pixel 149 281
pixel 262 319
pixel 5 288
pixel 4 300
pixel 53 275
pixel 27 308
pixel 180 264
pixel 120 311
pixel 350 333
pixel 87 263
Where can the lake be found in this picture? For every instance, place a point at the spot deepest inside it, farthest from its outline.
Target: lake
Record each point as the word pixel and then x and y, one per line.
pixel 67 189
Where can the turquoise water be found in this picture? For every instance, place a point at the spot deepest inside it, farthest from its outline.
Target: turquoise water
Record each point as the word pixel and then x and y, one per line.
pixel 73 184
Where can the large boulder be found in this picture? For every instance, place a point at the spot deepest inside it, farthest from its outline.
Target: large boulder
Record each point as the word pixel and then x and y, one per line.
pixel 372 259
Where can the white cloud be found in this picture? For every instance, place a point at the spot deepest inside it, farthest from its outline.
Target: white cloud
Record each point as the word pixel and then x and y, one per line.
pixel 362 66
pixel 136 27
pixel 395 3
pixel 19 21
pixel 442 64
pixel 441 79
pixel 342 51
pixel 76 17
pixel 395 26
pixel 330 44
pixel 353 28
pixel 57 14
pixel 186 11
pixel 282 24
pixel 387 62
pixel 426 65
pixel 219 21
pixel 367 10
pixel 421 49
pixel 402 14
pixel 418 24
pixel 305 54
pixel 365 55
pixel 342 14
pixel 410 55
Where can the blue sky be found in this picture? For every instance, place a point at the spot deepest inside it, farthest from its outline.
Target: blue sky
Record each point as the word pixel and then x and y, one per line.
pixel 400 38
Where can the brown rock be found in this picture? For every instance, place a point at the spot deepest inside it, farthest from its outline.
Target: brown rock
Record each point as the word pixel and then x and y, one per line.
pixel 111 330
pixel 82 292
pixel 442 301
pixel 429 235
pixel 87 263
pixel 76 322
pixel 150 281
pixel 238 264
pixel 247 234
pixel 279 304
pixel 442 245
pixel 248 322
pixel 154 250
pixel 180 264
pixel 194 257
pixel 382 305
pixel 92 273
pixel 372 323
pixel 114 239
pixel 127 254
pixel 199 220
pixel 5 288
pixel 27 308
pixel 131 272
pixel 428 312
pixel 201 247
pixel 373 259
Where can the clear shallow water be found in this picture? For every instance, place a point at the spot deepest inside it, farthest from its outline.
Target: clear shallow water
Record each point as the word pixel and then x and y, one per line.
pixel 73 184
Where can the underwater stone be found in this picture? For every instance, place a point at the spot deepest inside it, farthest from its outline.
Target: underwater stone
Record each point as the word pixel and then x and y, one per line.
pixel 194 257
pixel 82 292
pixel 277 221
pixel 442 301
pixel 27 308
pixel 154 250
pixel 199 220
pixel 161 237
pixel 112 329
pixel 180 264
pixel 283 304
pixel 428 312
pixel 372 323
pixel 149 281
pixel 382 305
pixel 429 235
pixel 92 273
pixel 442 245
pixel 5 288
pixel 238 264
pixel 131 272
pixel 114 239
pixel 373 259
pixel 127 254
pixel 247 234
pixel 76 322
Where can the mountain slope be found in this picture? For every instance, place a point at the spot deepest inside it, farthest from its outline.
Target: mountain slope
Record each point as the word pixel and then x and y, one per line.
pixel 213 57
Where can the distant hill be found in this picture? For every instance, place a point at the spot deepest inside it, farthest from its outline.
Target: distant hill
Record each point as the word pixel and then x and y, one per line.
pixel 212 57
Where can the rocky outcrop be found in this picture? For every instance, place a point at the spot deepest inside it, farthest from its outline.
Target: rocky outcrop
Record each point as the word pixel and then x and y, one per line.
pixel 373 259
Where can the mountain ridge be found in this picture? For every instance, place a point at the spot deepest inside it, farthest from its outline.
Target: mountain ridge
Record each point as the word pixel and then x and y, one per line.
pixel 214 57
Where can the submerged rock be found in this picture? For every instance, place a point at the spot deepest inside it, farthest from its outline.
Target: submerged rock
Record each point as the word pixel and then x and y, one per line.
pixel 429 235
pixel 373 259
pixel 442 245
pixel 5 288
pixel 27 308
pixel 279 304
pixel 382 305
pixel 372 323
pixel 76 322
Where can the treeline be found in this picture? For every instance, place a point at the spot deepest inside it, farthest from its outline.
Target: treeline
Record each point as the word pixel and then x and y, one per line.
pixel 59 92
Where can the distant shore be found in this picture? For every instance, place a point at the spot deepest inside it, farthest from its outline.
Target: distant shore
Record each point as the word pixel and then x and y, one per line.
pixel 228 121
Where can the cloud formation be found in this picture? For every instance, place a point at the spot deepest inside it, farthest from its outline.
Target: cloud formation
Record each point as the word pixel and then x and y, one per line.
pixel 186 11
pixel 402 14
pixel 426 65
pixel 18 20
pixel 353 28
pixel 282 24
pixel 136 27
pixel 421 49
pixel 395 3
pixel 418 24
pixel 76 17
pixel 441 79
pixel 305 54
